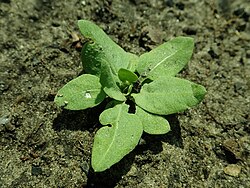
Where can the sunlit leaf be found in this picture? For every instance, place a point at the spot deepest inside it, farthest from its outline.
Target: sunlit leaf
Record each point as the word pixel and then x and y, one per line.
pixel 80 93
pixel 167 59
pixel 109 81
pixel 168 95
pixel 112 143
pixel 152 124
pixel 99 46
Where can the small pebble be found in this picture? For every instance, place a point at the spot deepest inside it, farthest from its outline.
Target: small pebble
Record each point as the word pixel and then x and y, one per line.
pixel 4 120
pixel 232 170
pixel 83 3
pixel 233 148
pixel 132 172
pixel 3 87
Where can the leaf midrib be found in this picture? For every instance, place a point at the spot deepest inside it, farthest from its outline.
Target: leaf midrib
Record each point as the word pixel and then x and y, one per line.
pixel 116 128
pixel 163 60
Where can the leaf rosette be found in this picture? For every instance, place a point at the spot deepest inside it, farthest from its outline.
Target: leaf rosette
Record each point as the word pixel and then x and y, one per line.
pixel 141 91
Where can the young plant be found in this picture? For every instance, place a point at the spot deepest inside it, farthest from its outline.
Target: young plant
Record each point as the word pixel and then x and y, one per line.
pixel 141 91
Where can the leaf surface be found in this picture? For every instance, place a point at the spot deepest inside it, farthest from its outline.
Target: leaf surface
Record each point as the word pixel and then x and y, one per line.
pixel 91 56
pixel 167 59
pixel 111 144
pixel 100 47
pixel 168 95
pixel 152 124
pixel 109 81
pixel 80 93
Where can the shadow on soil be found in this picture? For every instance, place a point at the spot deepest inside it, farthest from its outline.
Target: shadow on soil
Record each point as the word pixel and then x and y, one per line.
pixel 80 120
pixel 112 176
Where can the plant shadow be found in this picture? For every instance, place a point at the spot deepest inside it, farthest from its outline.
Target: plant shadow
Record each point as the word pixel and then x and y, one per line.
pixel 88 120
pixel 154 142
pixel 78 119
pixel 112 176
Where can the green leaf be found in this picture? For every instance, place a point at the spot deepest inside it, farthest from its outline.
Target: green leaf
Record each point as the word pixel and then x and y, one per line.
pixel 80 93
pixel 100 47
pixel 127 76
pixel 111 144
pixel 168 95
pixel 109 81
pixel 133 62
pixel 91 57
pixel 167 59
pixel 152 124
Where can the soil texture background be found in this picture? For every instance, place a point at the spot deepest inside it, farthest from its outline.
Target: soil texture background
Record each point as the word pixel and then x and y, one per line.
pixel 42 145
